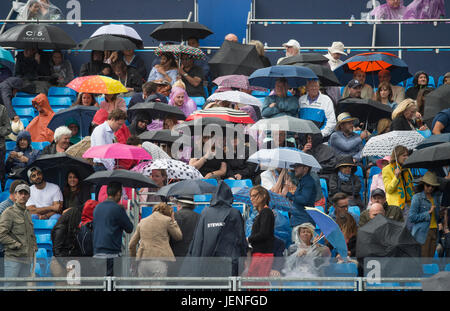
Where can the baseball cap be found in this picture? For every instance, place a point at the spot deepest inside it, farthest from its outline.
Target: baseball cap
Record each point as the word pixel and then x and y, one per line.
pixel 354 84
pixel 22 187
pixel 31 170
pixel 292 43
pixel 379 192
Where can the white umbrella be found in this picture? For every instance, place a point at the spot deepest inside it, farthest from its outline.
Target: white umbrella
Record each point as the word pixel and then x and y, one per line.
pixel 382 145
pixel 175 169
pixel 286 123
pixel 155 151
pixel 283 158
pixel 235 97
pixel 118 30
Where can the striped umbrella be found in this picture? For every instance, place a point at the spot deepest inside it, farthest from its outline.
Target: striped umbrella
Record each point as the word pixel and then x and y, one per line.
pixel 227 114
pixel 97 84
pixel 178 49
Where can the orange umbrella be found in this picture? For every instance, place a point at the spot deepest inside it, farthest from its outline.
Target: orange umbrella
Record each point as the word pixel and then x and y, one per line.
pixel 97 85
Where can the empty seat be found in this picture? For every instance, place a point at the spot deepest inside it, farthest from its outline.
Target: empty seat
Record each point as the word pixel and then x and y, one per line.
pixel 127 100
pixel 200 101
pixel 45 241
pixel 22 102
pixel 4 195
pixel 39 145
pixel 43 226
pixel 146 211
pixel 24 94
pixel 238 184
pixel 60 101
pixel 430 269
pixel 212 181
pixel 25 113
pixel 61 91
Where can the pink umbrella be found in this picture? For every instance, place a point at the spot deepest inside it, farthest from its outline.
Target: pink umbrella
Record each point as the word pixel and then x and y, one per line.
pixel 117 151
pixel 235 81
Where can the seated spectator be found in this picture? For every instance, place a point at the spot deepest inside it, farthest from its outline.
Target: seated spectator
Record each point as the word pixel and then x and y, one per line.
pixel 344 180
pixel 180 99
pixel 49 11
pixel 323 153
pixel 60 142
pixel 133 60
pixel 441 122
pixel 128 164
pixel 33 66
pixel 231 37
pixel 421 102
pixel 260 50
pixel 73 125
pixel 202 63
pixel 365 90
pixel 348 226
pixel 213 163
pixel 94 67
pixel 192 76
pixel 75 191
pixel 86 99
pixel 344 140
pixel 30 11
pixel 112 102
pixel 148 94
pixel 334 55
pixel 392 9
pixel 163 87
pixel 377 180
pixel 60 69
pixel 159 178
pixel 237 167
pixel 166 70
pixel 378 197
pixel 404 116
pixel 446 79
pixel 128 76
pixel 169 122
pixel 280 104
pixel 139 124
pixel 354 90
pixel 38 126
pixel 398 92
pixel 292 48
pixel 420 82
pixel 276 180
pixel 22 155
pixel 46 199
pixel 318 108
pixel 384 95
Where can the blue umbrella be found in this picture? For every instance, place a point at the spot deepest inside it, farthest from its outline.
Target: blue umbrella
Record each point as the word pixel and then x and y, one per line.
pixel 330 230
pixel 295 75
pixel 434 140
pixel 277 201
pixel 6 59
pixel 82 114
pixel 371 64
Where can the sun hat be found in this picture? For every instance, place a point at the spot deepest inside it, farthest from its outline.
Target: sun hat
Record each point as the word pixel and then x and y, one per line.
pixel 292 43
pixel 345 161
pixel 343 117
pixel 307 225
pixel 430 179
pixel 337 47
pixel 380 161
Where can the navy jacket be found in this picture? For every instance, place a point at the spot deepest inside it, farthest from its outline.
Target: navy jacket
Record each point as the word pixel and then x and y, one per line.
pixel 304 195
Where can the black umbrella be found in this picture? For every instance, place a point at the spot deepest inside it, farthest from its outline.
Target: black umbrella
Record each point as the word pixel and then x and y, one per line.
pixel 55 167
pixel 199 125
pixel 434 140
pixel 234 58
pixel 325 74
pixel 160 136
pixel 436 101
pixel 187 187
pixel 157 110
pixel 366 110
pixel 40 36
pixel 180 31
pixel 311 58
pixel 108 43
pixel 82 114
pixel 126 178
pixel 430 157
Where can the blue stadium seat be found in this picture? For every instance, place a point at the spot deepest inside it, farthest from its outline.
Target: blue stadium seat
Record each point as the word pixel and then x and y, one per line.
pixel 200 101
pixel 62 91
pixel 212 181
pixel 202 197
pixel 430 269
pixel 60 101
pixel 320 208
pixel 43 262
pixel 239 183
pixel 447 267
pixel 359 172
pixel 4 195
pixel 146 211
pixel 10 145
pixel 25 113
pixel 24 102
pixel 25 122
pixel 43 226
pixel 127 100
pixel 24 94
pixel 431 82
pixel 440 81
pixel 324 186
pixel 8 183
pixel 260 93
pixel 45 241
pixel 39 145
pixel 409 83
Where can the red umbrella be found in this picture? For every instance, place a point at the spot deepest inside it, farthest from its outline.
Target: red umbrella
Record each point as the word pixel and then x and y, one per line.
pixel 227 114
pixel 117 151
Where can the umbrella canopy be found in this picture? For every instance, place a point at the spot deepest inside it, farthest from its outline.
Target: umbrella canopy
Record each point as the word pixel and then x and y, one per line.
pixel 330 230
pixel 283 158
pixel 287 123
pixel 160 136
pixel 97 84
pixel 295 75
pixel 436 101
pixel 366 110
pixel 178 50
pixel 235 97
pixel 371 64
pixel 382 145
pixel 158 110
pixel 121 31
pixel 234 58
pixel 326 76
pixel 155 151
pixel 434 140
pixel 227 114
pixel 82 114
pixel 187 187
pixel 438 282
pixel 108 43
pixel 236 82
pixel 198 125
pixel 384 237
pixel 277 201
pixel 6 59
pixel 180 31
pixel 126 178
pixel 175 169
pixel 310 58
pixel 117 151
pixel 40 36
pixel 430 157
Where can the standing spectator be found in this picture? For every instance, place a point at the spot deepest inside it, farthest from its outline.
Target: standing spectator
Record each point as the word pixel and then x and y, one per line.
pixel 384 95
pixel 348 226
pixel 61 141
pixel 398 92
pixel 366 90
pixel 292 48
pixel 165 70
pixel 94 67
pixel 17 236
pixel 60 69
pixel 128 76
pixel 203 63
pixel 334 54
pixel 318 108
pixel 22 155
pixel 187 220
pixel 86 99
pixel 441 122
pixel 110 220
pixel 9 89
pixel 46 199
pixel 280 104
pixel 153 234
pixel 10 199
pixel 404 116
pixel 38 126
pixel 425 9
pixel 313 144
pixel 231 37
pixel 420 81
pixel 344 180
pixel 112 102
pixel 424 213
pixel 5 130
pixel 378 197
pixel 192 76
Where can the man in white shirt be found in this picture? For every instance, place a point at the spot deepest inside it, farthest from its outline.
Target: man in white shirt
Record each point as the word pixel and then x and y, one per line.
pixel 46 199
pixel 104 135
pixel 318 108
pixel 292 49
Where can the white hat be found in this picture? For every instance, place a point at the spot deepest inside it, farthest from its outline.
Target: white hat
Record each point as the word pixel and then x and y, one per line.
pixel 292 43
pixel 337 47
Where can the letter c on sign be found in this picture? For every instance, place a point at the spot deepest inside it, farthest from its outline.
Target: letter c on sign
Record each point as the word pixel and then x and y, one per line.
pixel 29 33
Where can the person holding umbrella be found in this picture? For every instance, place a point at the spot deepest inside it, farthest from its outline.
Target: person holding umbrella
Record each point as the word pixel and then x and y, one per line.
pixel 192 76
pixel 165 70
pixel 280 104
pixel 404 117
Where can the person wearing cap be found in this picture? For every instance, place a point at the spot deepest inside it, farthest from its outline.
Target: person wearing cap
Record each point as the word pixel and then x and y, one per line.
pixel 424 213
pixel 45 198
pixel 334 54
pixel 344 180
pixel 378 196
pixel 366 91
pixel 17 236
pixel 398 92
pixel 292 49
pixel 354 88
pixel 344 140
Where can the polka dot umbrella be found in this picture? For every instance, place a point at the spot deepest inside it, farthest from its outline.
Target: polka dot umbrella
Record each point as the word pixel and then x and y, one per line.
pixel 178 50
pixel 97 84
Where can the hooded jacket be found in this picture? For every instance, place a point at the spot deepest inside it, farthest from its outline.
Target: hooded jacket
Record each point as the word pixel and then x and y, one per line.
pixel 13 163
pixel 38 126
pixel 92 67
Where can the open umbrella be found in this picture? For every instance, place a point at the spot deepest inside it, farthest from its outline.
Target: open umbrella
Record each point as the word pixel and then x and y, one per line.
pixel 310 58
pixel 158 110
pixel 107 43
pixel 295 75
pixel 382 145
pixel 198 125
pixel 288 124
pixel 40 36
pixel 372 63
pixel 330 230
pixel 180 31
pixel 126 178
pixel 436 101
pixel 234 58
pixel 227 114
pixel 236 82
pixel 434 140
pixel 120 30
pixel 82 114
pixel 175 169
pixel 366 110
pixel 277 201
pixel 6 59
pixel 326 76
pixel 430 157
pixel 117 151
pixel 97 84
pixel 235 97
pixel 178 50
pixel 160 136
pixel 283 158
pixel 187 187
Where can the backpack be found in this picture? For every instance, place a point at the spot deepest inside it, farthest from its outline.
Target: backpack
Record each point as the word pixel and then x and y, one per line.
pixel 85 238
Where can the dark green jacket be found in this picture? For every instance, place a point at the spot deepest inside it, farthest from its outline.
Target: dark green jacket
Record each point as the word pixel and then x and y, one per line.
pixel 391 211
